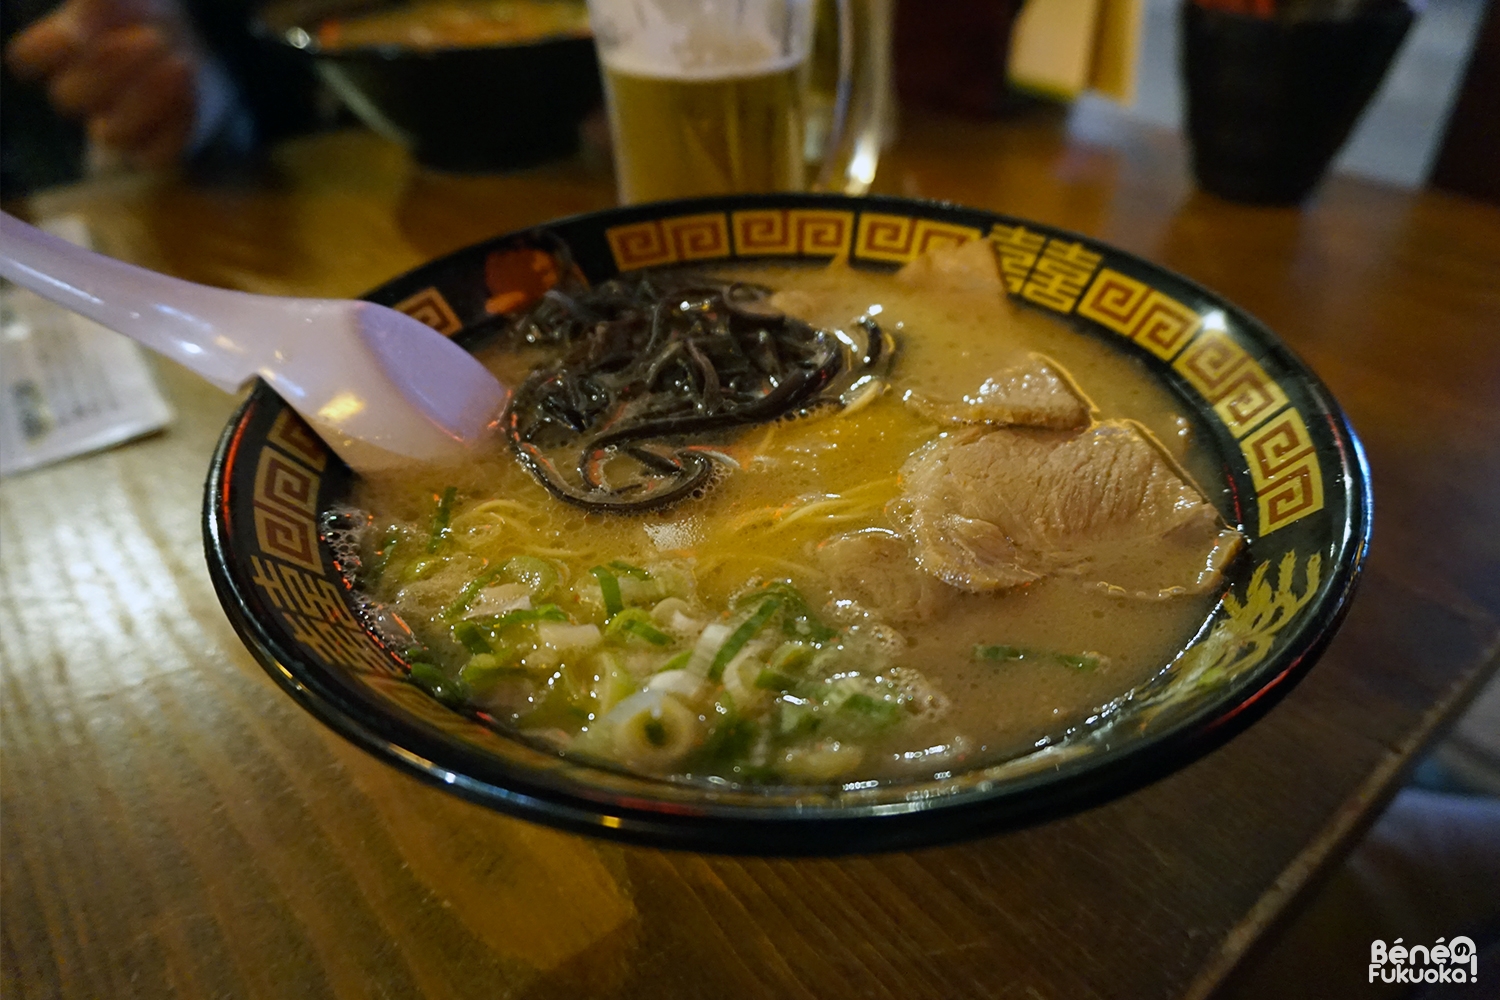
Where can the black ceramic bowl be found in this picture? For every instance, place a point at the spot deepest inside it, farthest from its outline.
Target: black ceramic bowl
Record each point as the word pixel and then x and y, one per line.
pixel 1292 477
pixel 481 108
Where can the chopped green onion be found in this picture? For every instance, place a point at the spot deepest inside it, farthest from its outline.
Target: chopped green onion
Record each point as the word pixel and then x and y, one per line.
pixel 539 575
pixel 637 622
pixel 440 519
pixel 448 690
pixel 522 616
pixel 655 732
pixel 794 720
pixel 791 656
pixel 731 739
pixel 383 554
pixel 878 709
pixel 1083 662
pixel 748 629
pixel 1005 653
pixel 609 586
pixel 625 569
pixel 472 637
pixel 998 653
pixel 420 569
pixel 770 679
pixel 800 621
pixel 485 670
pixel 677 662
pixel 471 590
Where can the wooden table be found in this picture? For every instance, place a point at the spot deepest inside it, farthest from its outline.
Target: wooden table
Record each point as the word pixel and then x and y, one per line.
pixel 174 826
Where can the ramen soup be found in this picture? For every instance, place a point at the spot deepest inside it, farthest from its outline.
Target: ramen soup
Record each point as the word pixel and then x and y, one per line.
pixel 450 24
pixel 802 526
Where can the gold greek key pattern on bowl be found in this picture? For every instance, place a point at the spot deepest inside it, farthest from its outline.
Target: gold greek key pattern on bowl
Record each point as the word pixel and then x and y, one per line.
pixel 1284 467
pixel 285 498
pixel 792 232
pixel 287 536
pixel 1060 275
pixel 290 433
pixel 1241 392
pixel 284 485
pixel 1135 310
pixel 1018 249
pixel 428 306
pixel 669 241
pixel 899 239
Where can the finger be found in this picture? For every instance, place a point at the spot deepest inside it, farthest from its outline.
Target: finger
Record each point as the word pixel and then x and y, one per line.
pixel 163 95
pixel 43 48
pixel 94 16
pixel 63 35
pixel 108 69
pixel 166 145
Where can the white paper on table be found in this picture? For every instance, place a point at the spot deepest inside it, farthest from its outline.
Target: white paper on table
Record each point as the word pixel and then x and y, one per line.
pixel 68 386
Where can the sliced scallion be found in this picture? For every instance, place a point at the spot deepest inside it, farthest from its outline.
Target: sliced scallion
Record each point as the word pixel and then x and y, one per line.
pixel 609 587
pixel 748 630
pixel 471 590
pixel 441 518
pixel 625 569
pixel 449 690
pixel 471 637
pixel 522 616
pixel 634 621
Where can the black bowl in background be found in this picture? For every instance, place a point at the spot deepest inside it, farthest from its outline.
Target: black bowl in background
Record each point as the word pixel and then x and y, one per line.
pixel 476 109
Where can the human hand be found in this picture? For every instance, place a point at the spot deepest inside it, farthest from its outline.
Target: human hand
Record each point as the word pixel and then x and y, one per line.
pixel 127 68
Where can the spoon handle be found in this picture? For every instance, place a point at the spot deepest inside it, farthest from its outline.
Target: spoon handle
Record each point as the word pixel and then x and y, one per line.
pixel 180 319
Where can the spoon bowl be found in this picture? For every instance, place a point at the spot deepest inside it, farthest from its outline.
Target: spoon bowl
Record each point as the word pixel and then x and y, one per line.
pixel 382 389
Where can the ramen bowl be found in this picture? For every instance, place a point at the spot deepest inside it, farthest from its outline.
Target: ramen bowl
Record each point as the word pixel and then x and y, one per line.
pixel 1290 475
pixel 458 107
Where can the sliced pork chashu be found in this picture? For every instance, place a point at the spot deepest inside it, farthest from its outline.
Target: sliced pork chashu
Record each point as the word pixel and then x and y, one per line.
pixel 1037 393
pixel 875 567
pixel 967 267
pixel 989 509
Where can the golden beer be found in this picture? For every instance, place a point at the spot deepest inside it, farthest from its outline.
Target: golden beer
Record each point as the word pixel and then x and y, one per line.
pixel 684 135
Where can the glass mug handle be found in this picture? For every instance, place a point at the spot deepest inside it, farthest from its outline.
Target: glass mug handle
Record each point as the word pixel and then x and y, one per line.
pixel 862 97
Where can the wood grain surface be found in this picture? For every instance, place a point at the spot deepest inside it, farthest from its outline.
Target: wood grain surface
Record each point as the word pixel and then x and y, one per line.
pixel 173 826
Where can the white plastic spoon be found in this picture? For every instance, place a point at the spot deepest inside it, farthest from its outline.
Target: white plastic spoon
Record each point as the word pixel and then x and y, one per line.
pixel 380 387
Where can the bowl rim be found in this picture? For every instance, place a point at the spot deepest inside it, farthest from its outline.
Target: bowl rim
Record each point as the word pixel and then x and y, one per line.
pixel 260 21
pixel 1086 780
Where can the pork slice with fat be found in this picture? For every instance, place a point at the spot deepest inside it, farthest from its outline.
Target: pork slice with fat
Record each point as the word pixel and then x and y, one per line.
pixel 989 509
pixel 875 567
pixel 1037 393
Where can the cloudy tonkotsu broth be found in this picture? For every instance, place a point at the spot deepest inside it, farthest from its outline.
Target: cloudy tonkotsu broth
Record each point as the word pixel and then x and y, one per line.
pixel 842 603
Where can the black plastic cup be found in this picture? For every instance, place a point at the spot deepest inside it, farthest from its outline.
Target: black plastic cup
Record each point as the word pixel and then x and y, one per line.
pixel 1270 102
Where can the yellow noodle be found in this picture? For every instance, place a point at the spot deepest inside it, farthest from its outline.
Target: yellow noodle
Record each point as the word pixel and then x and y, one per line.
pixel 872 392
pixel 807 510
pixel 760 562
pixel 873 484
pixel 513 505
pixel 536 550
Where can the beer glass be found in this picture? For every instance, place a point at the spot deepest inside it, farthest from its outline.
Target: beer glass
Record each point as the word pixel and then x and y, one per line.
pixel 709 96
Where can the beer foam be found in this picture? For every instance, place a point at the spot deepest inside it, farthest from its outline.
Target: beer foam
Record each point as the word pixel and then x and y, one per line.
pixel 673 40
pixel 640 64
